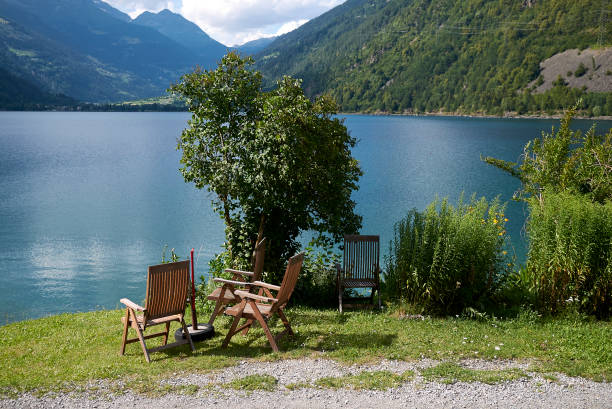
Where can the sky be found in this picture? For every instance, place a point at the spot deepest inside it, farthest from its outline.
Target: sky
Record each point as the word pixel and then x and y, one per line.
pixel 234 22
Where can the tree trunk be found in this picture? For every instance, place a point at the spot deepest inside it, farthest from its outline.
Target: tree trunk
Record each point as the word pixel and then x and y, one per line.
pixel 262 220
pixel 228 222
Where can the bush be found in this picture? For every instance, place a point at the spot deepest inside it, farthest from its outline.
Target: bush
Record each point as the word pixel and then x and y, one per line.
pixel 570 253
pixel 581 70
pixel 316 285
pixel 447 258
pixel 564 160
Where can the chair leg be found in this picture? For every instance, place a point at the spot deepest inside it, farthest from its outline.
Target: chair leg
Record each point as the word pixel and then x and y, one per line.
pixel 186 331
pixel 247 327
pixel 140 336
pixel 165 341
pixel 379 304
pixel 125 331
pixel 231 332
pixel 285 321
pixel 340 298
pixel 264 325
pixel 218 307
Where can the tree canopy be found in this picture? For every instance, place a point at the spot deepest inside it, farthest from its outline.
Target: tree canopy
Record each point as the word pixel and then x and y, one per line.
pixel 278 163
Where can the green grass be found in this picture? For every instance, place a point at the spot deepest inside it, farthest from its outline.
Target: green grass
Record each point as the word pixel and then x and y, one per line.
pixel 254 383
pixel 65 351
pixel 450 372
pixel 378 380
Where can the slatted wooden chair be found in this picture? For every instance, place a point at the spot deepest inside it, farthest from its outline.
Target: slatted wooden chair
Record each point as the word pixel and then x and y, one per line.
pixel 360 268
pixel 167 292
pixel 261 308
pixel 224 295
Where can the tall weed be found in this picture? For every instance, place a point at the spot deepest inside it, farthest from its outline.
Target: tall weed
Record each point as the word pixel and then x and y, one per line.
pixel 570 253
pixel 448 258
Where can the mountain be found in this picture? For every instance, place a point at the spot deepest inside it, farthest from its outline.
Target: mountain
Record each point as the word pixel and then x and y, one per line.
pixel 255 46
pixel 16 93
pixel 184 32
pixel 112 11
pixel 441 55
pixel 90 51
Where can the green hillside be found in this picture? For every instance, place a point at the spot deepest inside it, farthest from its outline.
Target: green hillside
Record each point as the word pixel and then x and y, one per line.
pixel 19 94
pixel 442 55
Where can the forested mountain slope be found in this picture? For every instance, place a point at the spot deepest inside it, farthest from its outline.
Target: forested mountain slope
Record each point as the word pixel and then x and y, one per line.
pixel 16 93
pixel 441 55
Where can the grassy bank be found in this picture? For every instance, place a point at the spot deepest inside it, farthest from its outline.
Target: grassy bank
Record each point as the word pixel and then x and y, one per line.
pixel 66 351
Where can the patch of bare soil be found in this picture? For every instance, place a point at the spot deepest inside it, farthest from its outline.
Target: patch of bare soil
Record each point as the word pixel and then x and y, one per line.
pixel 587 68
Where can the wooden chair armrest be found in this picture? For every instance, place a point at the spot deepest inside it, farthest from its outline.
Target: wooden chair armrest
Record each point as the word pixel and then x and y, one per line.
pixel 244 273
pixel 246 294
pixel 131 304
pixel 232 282
pixel 266 285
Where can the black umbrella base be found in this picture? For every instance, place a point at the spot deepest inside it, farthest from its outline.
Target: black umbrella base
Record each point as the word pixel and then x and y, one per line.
pixel 204 331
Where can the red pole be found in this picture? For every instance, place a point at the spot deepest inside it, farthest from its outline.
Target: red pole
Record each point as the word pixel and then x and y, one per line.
pixel 194 319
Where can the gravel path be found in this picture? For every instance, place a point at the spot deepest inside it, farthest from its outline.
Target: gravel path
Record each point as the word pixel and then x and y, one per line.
pixel 532 392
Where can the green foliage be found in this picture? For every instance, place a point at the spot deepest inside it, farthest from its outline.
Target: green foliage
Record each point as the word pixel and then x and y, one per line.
pixel 570 253
pixel 447 258
pixel 317 284
pixel 277 162
pixel 173 256
pixel 580 71
pixel 567 180
pixel 565 160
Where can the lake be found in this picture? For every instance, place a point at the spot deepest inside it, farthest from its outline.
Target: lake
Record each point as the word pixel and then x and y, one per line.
pixel 88 200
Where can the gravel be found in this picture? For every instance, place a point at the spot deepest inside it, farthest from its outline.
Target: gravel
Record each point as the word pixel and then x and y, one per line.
pixel 532 392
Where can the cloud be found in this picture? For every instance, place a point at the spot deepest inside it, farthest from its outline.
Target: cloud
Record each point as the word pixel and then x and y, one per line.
pixel 236 21
pixel 271 31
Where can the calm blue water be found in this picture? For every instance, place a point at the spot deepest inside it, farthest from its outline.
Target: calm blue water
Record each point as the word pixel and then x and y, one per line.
pixel 88 200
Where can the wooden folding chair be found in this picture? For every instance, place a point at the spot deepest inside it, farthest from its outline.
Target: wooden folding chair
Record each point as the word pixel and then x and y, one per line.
pixel 360 268
pixel 260 308
pixel 225 294
pixel 167 292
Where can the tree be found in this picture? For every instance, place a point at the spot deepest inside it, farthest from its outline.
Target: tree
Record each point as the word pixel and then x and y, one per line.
pixel 224 106
pixel 279 163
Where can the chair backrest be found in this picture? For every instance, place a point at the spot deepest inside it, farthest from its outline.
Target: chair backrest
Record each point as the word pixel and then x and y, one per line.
pixel 361 257
pixel 259 255
pixel 167 289
pixel 294 265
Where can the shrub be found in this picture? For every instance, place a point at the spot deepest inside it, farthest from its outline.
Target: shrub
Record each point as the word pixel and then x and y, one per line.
pixel 570 253
pixel 564 160
pixel 316 285
pixel 447 258
pixel 580 71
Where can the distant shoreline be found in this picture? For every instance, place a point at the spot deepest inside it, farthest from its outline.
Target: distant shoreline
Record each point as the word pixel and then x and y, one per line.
pixel 170 108
pixel 478 115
